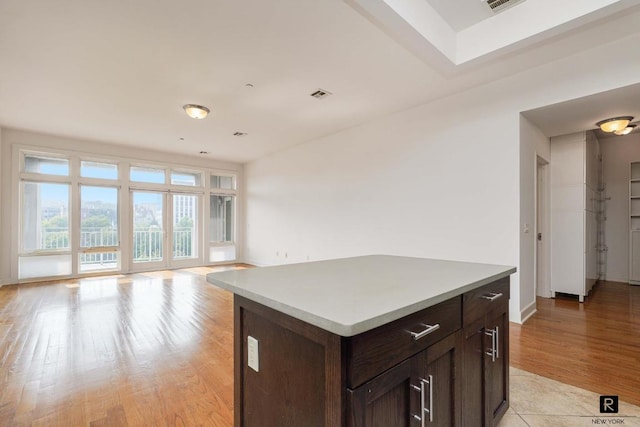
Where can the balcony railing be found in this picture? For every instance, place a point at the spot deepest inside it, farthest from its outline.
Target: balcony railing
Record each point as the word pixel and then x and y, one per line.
pixel 148 244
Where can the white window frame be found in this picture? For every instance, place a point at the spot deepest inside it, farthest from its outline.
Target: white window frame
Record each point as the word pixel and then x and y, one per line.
pixel 125 186
pixel 213 191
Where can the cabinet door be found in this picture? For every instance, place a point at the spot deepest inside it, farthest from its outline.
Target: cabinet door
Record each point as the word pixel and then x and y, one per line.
pixel 443 373
pixel 388 400
pixel 473 407
pixel 421 391
pixel 485 388
pixel 497 363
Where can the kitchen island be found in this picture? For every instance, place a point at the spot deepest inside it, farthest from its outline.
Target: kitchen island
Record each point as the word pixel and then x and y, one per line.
pixel 373 340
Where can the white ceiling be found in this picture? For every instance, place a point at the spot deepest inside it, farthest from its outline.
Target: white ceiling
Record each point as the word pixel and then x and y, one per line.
pixel 583 113
pixel 120 71
pixel 474 12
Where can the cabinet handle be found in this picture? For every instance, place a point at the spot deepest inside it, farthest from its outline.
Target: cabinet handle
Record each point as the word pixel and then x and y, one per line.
pixel 497 343
pixel 421 391
pixel 492 296
pixel 430 411
pixel 429 328
pixel 423 409
pixel 493 351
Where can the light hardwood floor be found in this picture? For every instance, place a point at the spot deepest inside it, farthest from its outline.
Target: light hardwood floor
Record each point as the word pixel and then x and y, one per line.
pixel 157 349
pixel 594 345
pixel 137 350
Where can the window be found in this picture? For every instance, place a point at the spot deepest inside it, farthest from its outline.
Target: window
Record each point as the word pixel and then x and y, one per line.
pixel 191 179
pixel 148 226
pixel 45 216
pixel 69 217
pixel 98 170
pixel 221 218
pixel 99 229
pixel 46 165
pixel 223 182
pixel 185 222
pixel 147 175
pixel 45 238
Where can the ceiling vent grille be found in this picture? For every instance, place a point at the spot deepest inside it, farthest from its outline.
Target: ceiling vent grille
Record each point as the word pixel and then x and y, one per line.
pixel 321 94
pixel 500 5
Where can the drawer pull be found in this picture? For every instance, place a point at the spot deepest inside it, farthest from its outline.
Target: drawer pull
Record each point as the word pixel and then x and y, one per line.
pixel 423 404
pixel 492 296
pixel 430 410
pixel 494 351
pixel 429 328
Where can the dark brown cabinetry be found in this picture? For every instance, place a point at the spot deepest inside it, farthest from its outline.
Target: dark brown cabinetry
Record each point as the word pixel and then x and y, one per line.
pixel 430 368
pixel 422 390
pixel 485 389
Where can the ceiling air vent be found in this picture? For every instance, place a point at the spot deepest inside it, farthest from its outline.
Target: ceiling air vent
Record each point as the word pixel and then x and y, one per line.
pixel 500 5
pixel 321 94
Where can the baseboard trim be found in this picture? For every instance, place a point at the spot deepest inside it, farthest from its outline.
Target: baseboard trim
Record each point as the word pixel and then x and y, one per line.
pixel 528 311
pixel 257 263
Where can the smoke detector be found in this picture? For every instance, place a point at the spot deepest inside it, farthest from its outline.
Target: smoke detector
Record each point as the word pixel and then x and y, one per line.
pixel 500 5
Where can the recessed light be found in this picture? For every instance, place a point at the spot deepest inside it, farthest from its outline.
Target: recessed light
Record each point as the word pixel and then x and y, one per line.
pixel 249 85
pixel 240 134
pixel 181 139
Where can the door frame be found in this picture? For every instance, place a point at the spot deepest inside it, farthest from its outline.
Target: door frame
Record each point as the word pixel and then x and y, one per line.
pixel 168 261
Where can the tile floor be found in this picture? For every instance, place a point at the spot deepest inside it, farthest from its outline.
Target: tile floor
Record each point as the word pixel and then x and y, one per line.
pixel 538 401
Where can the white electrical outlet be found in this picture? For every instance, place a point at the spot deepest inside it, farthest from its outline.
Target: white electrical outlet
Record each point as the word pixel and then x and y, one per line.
pixel 253 356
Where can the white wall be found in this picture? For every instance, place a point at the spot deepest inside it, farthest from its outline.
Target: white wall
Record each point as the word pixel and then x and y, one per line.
pixel 10 138
pixel 617 153
pixel 440 180
pixel 533 144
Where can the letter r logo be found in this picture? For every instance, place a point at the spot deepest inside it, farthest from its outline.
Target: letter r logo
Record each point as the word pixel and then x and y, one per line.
pixel 608 404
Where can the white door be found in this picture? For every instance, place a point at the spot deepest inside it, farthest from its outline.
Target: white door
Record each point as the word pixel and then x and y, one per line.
pixel 542 230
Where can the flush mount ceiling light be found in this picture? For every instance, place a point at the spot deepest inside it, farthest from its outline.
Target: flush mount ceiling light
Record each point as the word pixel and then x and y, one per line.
pixel 614 124
pixel 625 131
pixel 196 111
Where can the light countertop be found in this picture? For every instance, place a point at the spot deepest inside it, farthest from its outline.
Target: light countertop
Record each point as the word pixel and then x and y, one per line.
pixel 349 296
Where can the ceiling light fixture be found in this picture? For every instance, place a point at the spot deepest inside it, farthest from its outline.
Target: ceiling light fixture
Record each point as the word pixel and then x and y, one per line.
pixel 625 131
pixel 196 111
pixel 614 124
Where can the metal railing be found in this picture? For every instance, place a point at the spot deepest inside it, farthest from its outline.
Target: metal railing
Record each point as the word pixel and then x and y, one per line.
pixel 148 244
